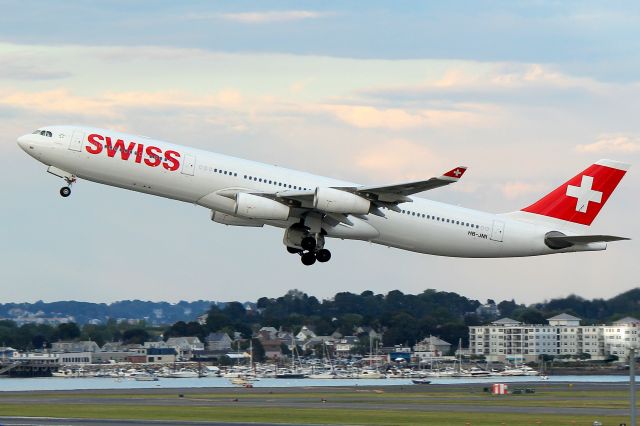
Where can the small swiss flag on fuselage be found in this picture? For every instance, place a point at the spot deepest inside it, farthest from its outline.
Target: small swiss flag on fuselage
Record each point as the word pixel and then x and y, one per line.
pixel 580 199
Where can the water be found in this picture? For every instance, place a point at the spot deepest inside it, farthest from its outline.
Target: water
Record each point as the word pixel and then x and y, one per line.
pixel 61 383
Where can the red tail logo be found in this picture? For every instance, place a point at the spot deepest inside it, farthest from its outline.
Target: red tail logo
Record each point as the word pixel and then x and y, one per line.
pixel 580 199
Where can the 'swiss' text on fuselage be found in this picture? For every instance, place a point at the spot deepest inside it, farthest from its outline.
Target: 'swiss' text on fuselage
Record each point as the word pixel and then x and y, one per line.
pixel 154 155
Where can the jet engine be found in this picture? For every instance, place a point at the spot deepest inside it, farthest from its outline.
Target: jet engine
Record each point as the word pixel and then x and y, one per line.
pixel 336 201
pixel 256 207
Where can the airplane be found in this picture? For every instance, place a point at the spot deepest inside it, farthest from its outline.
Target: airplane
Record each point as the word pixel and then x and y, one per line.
pixel 313 208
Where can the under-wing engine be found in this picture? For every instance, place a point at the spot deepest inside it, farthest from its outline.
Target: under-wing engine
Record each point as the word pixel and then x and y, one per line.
pixel 257 207
pixel 336 201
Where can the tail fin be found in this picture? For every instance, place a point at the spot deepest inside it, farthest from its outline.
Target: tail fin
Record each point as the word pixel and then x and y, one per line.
pixel 580 199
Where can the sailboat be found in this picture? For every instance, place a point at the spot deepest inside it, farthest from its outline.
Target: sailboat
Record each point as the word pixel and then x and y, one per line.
pixel 292 373
pixel 331 374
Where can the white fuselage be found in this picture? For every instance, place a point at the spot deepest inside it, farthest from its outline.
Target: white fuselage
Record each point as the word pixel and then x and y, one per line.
pixel 422 226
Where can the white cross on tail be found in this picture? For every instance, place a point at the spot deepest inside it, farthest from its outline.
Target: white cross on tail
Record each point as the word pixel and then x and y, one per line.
pixel 584 194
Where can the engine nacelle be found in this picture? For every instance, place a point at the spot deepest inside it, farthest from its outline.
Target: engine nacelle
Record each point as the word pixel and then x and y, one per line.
pixel 227 219
pixel 336 201
pixel 256 207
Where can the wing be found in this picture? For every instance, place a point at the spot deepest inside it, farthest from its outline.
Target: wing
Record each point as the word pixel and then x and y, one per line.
pixel 387 196
pixel 398 193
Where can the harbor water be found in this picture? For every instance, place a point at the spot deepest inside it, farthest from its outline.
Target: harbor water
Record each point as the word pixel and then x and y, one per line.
pixel 89 383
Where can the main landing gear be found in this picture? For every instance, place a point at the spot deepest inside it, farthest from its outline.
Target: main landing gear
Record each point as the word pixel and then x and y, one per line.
pixel 311 251
pixel 307 240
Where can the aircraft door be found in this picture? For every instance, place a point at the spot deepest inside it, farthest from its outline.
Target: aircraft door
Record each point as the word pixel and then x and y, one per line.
pixel 76 141
pixel 497 233
pixel 189 164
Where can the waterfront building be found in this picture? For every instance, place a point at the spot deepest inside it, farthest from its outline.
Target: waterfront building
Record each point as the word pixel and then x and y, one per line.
pixel 218 341
pixel 563 336
pixel 161 355
pixel 431 347
pixel 185 346
pixel 345 345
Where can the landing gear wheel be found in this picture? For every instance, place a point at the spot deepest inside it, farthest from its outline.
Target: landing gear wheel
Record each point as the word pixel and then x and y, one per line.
pixel 65 191
pixel 293 250
pixel 308 243
pixel 323 255
pixel 308 258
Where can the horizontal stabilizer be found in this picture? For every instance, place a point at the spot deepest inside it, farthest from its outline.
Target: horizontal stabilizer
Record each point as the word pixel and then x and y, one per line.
pixel 557 240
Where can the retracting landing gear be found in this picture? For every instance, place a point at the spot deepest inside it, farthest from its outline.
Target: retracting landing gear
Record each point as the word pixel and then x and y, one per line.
pixel 65 191
pixel 309 246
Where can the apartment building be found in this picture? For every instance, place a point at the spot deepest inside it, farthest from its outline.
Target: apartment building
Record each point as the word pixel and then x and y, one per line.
pixel 512 341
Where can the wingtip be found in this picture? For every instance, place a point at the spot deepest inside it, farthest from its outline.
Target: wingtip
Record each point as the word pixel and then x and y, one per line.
pixel 456 173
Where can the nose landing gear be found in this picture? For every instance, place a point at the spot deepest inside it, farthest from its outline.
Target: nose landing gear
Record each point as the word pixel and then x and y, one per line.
pixel 65 191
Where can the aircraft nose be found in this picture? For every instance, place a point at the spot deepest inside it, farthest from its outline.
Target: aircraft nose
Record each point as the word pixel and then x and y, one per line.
pixel 22 142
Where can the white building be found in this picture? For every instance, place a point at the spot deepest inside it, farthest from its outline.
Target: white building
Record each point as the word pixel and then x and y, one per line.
pixel 620 335
pixel 510 340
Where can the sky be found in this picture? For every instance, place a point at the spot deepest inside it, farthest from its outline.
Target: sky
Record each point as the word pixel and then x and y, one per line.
pixel 526 94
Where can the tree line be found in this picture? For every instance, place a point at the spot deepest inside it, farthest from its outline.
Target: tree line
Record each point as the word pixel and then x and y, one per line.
pixel 404 319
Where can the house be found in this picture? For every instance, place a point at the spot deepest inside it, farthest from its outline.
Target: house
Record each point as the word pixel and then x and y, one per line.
pixel 345 345
pixel 317 342
pixel 270 341
pixel 272 348
pixel 305 334
pixel 161 355
pixel 158 344
pixel 185 346
pixel 82 346
pixel 430 347
pixel 218 341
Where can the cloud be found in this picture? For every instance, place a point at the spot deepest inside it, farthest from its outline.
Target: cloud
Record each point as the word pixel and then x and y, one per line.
pixel 612 143
pixel 490 83
pixel 266 17
pixel 513 190
pixel 369 117
pixel 112 104
pixel 398 159
pixel 26 67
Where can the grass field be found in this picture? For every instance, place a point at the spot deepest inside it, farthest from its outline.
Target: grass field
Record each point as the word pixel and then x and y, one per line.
pixel 468 406
pixel 296 415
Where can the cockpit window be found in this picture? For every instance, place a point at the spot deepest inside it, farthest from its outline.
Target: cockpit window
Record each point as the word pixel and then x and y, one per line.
pixel 43 133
